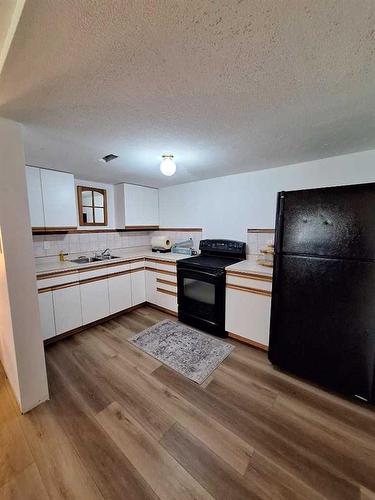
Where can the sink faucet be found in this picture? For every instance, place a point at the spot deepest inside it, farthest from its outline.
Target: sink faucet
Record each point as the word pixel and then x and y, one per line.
pixel 102 255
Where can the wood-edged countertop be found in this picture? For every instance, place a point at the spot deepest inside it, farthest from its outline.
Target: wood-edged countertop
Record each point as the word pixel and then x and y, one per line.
pixel 53 264
pixel 250 266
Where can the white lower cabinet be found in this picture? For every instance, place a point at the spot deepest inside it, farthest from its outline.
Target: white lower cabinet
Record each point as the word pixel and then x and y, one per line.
pixel 166 300
pixel 138 285
pixel 120 293
pixel 47 318
pixel 67 307
pixel 151 286
pixel 161 284
pixel 98 293
pixel 94 300
pixel 248 315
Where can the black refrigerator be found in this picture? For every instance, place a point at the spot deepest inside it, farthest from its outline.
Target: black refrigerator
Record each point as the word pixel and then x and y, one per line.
pixel 323 297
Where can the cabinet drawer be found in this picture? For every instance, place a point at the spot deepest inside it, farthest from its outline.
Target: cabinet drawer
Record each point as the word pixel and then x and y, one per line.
pixel 172 278
pixel 159 264
pixel 137 264
pixel 165 284
pixel 166 267
pixel 118 269
pixel 96 273
pixel 48 281
pixel 249 282
pixel 167 299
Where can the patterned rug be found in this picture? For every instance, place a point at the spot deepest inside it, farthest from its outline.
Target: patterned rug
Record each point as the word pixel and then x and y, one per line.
pixel 192 353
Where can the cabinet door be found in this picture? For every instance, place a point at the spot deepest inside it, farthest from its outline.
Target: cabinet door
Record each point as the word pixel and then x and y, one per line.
pixel 59 199
pixel 248 315
pixel 67 306
pixel 95 300
pixel 141 206
pixel 120 293
pixel 165 299
pixel 150 279
pixel 47 318
pixel 138 287
pixel 34 192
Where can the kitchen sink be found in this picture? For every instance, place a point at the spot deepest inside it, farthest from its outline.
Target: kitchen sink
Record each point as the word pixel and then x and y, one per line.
pixel 87 260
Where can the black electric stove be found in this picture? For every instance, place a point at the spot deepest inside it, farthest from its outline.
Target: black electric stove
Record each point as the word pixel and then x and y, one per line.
pixel 201 284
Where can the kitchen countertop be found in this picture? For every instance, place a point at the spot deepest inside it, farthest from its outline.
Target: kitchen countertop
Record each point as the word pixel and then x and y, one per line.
pixel 53 264
pixel 250 266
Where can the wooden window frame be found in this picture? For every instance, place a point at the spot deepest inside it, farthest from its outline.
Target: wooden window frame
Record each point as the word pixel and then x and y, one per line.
pixel 93 206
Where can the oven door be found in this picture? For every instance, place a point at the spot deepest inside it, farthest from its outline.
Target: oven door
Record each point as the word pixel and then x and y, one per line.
pixel 201 299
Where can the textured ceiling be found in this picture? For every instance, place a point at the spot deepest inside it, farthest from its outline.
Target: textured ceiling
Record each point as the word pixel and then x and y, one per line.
pixel 227 86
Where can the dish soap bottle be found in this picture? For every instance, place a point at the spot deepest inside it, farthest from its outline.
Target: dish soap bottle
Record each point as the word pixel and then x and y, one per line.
pixel 62 256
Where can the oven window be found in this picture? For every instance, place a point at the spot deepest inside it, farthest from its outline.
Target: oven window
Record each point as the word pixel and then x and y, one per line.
pixel 199 290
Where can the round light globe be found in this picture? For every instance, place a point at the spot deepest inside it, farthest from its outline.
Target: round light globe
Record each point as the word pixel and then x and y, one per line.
pixel 167 165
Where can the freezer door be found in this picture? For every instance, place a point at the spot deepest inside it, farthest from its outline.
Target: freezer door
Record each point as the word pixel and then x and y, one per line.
pixel 323 322
pixel 336 222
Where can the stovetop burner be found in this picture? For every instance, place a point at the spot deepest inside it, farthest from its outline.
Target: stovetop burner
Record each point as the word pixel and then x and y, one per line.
pixel 209 261
pixel 217 254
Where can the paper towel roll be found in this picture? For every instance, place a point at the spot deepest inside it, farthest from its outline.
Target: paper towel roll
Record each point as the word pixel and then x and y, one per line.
pixel 161 242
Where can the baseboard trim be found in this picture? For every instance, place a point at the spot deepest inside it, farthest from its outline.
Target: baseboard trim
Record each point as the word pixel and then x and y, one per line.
pixel 244 340
pixel 82 328
pixel 162 309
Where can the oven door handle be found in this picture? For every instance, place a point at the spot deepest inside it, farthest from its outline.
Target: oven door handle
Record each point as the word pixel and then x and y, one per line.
pixel 197 272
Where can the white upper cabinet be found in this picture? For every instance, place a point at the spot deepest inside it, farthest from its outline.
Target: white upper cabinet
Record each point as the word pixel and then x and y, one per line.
pixel 34 191
pixel 59 199
pixel 136 206
pixel 52 198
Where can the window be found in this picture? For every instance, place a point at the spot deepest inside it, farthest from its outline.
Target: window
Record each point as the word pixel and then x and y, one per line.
pixel 92 206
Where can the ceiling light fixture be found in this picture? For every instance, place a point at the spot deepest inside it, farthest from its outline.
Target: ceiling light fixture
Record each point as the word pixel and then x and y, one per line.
pixel 167 165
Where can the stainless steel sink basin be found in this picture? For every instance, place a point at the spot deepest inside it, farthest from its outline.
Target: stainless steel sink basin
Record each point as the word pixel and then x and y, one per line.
pixel 87 260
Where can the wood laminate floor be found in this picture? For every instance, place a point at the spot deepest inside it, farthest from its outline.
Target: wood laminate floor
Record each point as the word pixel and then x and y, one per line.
pixel 122 426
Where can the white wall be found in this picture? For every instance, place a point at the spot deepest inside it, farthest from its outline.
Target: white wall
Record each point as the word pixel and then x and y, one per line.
pixel 225 207
pixel 110 202
pixel 21 347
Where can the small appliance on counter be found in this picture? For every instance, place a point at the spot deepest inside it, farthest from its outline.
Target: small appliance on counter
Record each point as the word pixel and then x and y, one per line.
pixel 161 244
pixel 184 247
pixel 266 256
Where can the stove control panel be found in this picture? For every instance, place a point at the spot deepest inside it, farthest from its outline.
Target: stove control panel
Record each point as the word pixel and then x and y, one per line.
pixel 223 247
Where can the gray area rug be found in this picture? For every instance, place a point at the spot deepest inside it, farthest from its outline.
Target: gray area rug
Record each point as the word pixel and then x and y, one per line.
pixel 192 353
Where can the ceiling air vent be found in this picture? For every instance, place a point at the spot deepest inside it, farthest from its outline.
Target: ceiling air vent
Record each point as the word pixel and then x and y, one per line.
pixel 108 158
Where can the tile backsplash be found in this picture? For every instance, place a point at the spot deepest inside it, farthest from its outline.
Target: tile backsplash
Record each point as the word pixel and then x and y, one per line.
pixel 259 238
pixel 52 244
